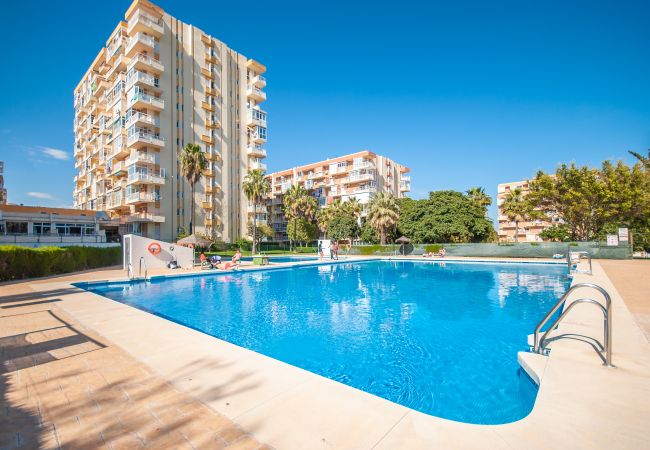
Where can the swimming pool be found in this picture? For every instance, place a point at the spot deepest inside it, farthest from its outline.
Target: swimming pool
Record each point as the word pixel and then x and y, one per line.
pixel 441 338
pixel 282 259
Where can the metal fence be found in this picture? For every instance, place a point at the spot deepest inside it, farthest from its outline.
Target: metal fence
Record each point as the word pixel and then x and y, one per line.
pixel 510 250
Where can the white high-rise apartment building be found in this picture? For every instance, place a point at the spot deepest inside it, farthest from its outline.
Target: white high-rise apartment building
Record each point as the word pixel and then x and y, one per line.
pixel 157 85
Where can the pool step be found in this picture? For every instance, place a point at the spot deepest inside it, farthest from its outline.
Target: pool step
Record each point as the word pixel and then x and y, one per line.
pixel 534 365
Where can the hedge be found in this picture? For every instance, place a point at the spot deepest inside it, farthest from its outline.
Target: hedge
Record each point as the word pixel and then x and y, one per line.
pixel 23 262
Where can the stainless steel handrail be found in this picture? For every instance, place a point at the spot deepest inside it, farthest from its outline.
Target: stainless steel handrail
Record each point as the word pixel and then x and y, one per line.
pixel 142 260
pixel 538 344
pixel 580 254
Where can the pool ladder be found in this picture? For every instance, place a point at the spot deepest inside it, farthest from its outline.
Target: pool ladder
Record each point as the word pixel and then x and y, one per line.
pixel 580 255
pixel 603 350
pixel 143 262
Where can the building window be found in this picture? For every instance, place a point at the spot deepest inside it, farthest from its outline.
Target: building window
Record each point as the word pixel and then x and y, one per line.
pixel 16 227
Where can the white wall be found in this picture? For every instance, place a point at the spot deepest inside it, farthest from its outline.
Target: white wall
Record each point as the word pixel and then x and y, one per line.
pixel 139 248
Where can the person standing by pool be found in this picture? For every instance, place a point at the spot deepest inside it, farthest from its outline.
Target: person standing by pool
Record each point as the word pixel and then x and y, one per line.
pixel 332 250
pixel 320 250
pixel 336 250
pixel 237 257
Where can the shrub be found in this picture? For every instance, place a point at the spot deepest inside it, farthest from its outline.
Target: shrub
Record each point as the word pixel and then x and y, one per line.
pixel 433 248
pixel 375 249
pixel 244 244
pixel 23 262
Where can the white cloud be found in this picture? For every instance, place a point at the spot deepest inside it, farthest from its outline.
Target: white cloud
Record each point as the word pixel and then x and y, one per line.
pixel 55 153
pixel 41 195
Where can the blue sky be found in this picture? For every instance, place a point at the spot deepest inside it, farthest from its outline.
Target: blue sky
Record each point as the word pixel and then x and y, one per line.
pixel 465 93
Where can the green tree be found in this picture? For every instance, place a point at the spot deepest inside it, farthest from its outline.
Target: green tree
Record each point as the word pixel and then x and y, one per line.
pixel 261 231
pixel 368 234
pixel 383 214
pixel 556 233
pixel 298 204
pixel 343 226
pixel 193 163
pixel 256 188
pixel 302 230
pixel 478 196
pixel 446 216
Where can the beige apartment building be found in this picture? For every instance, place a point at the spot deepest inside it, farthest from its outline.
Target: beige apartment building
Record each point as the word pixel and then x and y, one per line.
pixel 3 190
pixel 157 85
pixel 360 175
pixel 528 231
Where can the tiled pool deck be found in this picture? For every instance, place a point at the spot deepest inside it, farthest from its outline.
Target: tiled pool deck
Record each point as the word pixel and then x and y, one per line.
pixel 80 370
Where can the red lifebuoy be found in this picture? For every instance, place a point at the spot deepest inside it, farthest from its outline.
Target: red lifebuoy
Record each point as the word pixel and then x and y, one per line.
pixel 154 248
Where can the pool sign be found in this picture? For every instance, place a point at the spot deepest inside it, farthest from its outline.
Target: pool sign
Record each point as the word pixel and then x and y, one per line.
pixel 623 235
pixel 612 239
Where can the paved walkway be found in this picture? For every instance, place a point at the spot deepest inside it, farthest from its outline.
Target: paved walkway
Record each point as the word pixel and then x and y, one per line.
pixel 62 386
pixel 632 279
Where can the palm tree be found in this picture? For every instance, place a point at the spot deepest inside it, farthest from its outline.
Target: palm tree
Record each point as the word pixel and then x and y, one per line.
pixel 323 218
pixel 478 196
pixel 193 163
pixel 298 204
pixel 516 208
pixel 256 187
pixel 354 208
pixel 383 214
pixel 645 160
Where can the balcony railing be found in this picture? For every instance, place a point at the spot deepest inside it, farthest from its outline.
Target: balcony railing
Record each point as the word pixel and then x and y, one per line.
pixel 147 61
pixel 140 117
pixel 137 157
pixel 255 92
pixel 258 165
pixel 140 38
pixel 147 20
pixel 142 77
pixel 141 177
pixel 147 138
pixel 141 97
pixel 256 150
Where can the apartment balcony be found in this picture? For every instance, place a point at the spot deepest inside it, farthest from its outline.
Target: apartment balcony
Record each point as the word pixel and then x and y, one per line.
pixel 141 119
pixel 406 178
pixel 115 202
pixel 405 187
pixel 211 59
pixel 144 62
pixel 144 22
pixel 209 173
pixel 208 74
pixel 258 81
pixel 360 177
pixel 256 150
pixel 141 139
pixel 212 156
pixel 102 86
pixel 207 139
pixel 207 204
pixel 140 100
pixel 135 198
pixel 142 79
pixel 257 165
pixel 211 91
pixel 144 217
pixel 365 164
pixel 208 107
pixel 139 43
pixel 206 40
pixel 119 149
pixel 212 190
pixel 255 93
pixel 118 168
pixel 212 124
pixel 256 117
pixel 258 138
pixel 141 158
pixel 146 178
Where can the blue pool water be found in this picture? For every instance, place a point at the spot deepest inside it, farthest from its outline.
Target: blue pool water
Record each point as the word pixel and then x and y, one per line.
pixel 282 259
pixel 441 338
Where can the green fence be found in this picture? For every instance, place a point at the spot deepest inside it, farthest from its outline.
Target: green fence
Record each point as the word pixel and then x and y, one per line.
pixel 518 250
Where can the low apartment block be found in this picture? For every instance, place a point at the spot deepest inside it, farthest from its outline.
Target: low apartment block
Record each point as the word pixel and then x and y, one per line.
pixel 157 85
pixel 360 175
pixel 528 231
